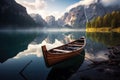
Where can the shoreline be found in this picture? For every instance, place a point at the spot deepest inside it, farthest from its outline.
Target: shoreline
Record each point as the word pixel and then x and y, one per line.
pixel 103 30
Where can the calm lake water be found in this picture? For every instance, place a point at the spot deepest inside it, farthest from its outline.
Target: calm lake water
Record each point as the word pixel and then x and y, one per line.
pixel 21 57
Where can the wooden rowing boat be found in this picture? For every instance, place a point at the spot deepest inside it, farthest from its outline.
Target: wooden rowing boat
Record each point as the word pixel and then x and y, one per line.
pixel 63 52
pixel 65 69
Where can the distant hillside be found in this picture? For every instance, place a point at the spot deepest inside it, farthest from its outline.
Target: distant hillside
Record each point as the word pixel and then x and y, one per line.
pixel 38 20
pixel 111 20
pixel 79 15
pixel 12 13
pixel 51 21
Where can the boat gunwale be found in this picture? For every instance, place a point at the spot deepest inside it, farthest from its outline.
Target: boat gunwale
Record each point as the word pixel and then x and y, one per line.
pixel 49 56
pixel 50 51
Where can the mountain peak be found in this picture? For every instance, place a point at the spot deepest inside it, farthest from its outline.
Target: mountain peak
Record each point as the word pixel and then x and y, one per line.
pixel 79 15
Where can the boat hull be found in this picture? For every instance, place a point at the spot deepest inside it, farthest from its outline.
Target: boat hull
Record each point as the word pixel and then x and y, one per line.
pixel 51 59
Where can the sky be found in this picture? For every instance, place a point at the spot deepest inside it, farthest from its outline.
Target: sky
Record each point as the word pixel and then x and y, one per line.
pixel 47 7
pixel 58 7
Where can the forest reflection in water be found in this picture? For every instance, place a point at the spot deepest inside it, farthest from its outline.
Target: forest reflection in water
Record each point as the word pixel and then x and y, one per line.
pixel 109 39
pixel 96 47
pixel 107 68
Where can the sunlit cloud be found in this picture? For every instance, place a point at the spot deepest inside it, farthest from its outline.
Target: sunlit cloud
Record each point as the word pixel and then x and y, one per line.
pixel 57 14
pixel 36 5
pixel 83 2
pixel 46 8
pixel 39 7
pixel 87 2
pixel 28 5
pixel 110 2
pixel 40 4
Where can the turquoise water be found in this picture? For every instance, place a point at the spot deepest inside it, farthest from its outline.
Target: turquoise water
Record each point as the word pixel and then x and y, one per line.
pixel 19 48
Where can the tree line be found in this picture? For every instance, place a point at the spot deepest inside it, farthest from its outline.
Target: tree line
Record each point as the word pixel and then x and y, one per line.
pixel 110 20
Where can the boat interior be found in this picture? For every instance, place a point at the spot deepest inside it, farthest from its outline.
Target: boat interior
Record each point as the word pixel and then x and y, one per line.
pixel 76 45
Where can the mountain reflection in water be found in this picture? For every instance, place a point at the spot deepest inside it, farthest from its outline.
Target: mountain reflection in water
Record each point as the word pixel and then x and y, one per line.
pixel 109 39
pixel 13 42
pixel 17 49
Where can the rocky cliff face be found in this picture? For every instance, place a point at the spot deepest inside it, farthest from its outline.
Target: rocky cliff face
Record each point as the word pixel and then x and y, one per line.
pixel 78 16
pixel 38 19
pixel 51 22
pixel 11 13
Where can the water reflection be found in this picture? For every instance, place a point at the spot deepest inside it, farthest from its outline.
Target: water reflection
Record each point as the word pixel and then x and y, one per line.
pixel 109 39
pixel 64 70
pixel 64 37
pixel 105 69
pixel 19 50
pixel 13 42
pixel 35 49
pixel 51 40
pixel 30 51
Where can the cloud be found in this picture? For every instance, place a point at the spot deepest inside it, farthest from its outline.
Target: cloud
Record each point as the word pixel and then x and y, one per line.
pixel 26 4
pixel 39 7
pixel 83 2
pixel 110 2
pixel 87 2
pixel 40 4
pixel 57 14
pixel 36 5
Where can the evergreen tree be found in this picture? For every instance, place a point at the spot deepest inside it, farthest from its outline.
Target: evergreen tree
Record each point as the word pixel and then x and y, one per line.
pixel 111 20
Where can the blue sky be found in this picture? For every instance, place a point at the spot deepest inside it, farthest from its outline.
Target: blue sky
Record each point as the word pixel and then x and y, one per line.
pixel 61 4
pixel 47 7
